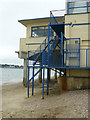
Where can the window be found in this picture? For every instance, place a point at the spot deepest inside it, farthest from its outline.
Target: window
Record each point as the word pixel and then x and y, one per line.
pixel 40 31
pixel 78 6
pixel 77 10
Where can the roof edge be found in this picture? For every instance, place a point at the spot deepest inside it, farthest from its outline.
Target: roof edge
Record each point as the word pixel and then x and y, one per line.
pixel 38 18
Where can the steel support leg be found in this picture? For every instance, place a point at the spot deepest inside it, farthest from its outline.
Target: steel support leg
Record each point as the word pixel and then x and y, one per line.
pixel 48 79
pixel 43 84
pixel 33 83
pixel 28 84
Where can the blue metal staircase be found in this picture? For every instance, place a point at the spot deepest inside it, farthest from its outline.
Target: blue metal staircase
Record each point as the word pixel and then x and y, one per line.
pixel 41 55
pixel 47 55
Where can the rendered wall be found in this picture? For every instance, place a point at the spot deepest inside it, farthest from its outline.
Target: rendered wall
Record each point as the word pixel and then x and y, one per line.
pixel 75 30
pixel 24 47
pixel 78 78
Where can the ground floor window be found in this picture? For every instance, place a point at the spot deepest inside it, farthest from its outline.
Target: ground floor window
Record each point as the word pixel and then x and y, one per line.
pixel 40 31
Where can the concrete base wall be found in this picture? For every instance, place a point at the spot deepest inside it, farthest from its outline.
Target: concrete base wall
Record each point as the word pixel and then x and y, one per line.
pixel 75 80
pixel 73 83
pixel 77 83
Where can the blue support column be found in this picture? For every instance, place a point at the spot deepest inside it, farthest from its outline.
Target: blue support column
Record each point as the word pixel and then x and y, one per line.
pixel 43 61
pixel 62 48
pixel 43 84
pixel 48 79
pixel 28 83
pixel 33 83
pixel 28 77
pixel 48 43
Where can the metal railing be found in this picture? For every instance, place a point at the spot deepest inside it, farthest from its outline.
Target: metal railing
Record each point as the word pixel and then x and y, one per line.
pixel 36 55
pixel 76 59
pixel 85 58
pixel 74 55
pixel 72 52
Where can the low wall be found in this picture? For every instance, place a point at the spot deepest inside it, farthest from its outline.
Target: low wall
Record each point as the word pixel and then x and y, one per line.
pixel 73 83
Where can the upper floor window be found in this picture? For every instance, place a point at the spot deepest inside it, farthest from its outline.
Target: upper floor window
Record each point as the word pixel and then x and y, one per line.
pixel 40 31
pixel 78 6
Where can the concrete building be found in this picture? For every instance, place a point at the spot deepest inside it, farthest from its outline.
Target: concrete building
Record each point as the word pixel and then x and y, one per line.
pixel 60 42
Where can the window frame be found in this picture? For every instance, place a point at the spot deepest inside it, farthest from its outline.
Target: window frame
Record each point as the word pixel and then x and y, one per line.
pixel 43 34
pixel 69 8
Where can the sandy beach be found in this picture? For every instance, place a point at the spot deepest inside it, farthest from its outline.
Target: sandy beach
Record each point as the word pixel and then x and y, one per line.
pixel 70 104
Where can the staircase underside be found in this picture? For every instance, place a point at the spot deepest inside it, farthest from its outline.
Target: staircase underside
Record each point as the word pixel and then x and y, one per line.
pixel 58 29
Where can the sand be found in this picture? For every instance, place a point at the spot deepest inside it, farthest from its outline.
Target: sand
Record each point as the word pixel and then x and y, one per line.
pixel 70 104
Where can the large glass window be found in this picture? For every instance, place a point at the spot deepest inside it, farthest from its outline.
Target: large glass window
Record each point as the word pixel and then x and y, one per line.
pixel 40 31
pixel 78 6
